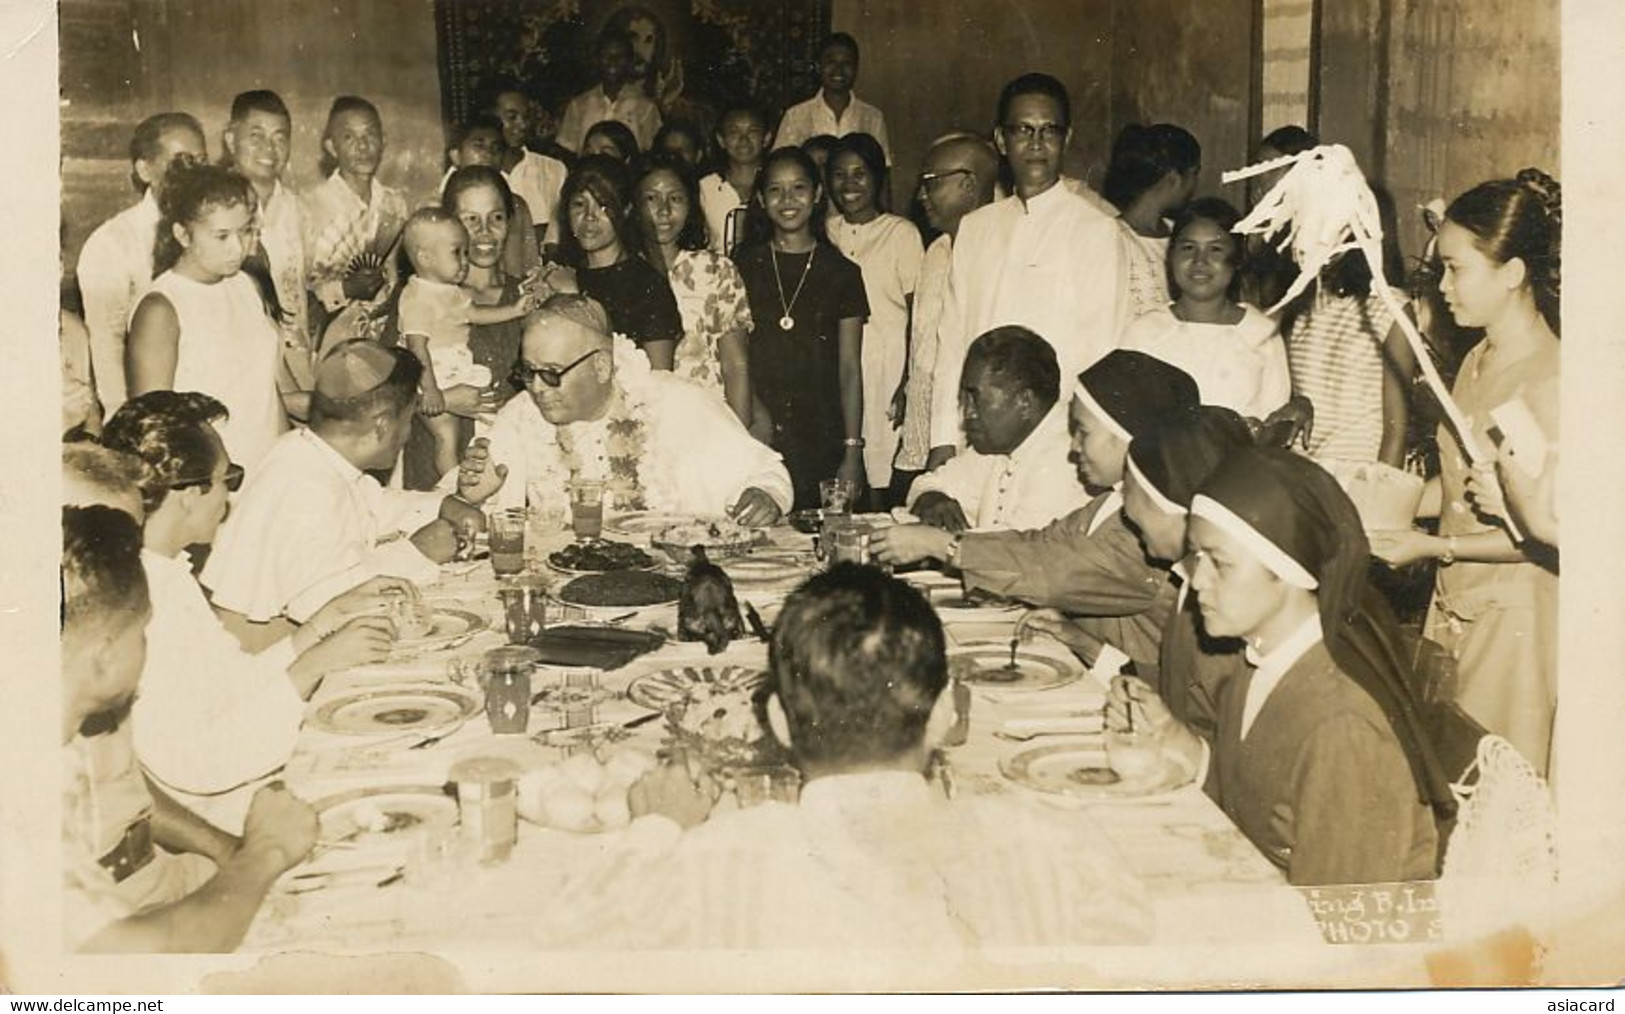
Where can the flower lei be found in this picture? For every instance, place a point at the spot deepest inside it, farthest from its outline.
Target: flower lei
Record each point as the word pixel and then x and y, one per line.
pixel 617 451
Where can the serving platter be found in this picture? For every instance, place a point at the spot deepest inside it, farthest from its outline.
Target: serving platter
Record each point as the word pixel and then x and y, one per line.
pixel 621 589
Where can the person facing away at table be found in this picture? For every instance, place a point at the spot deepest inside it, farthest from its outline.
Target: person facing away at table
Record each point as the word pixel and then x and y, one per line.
pixel 140 872
pixel 871 857
pixel 616 96
pixel 311 523
pixel 1086 570
pixel 1044 257
pixel 959 175
pixel 1017 472
pixel 213 719
pixel 1317 756
pixel 597 411
pixel 115 264
pixel 836 110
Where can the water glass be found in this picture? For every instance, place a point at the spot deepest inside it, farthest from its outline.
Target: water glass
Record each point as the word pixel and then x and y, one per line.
pixel 587 508
pixel 487 806
pixel 758 785
pixel 524 607
pixel 507 530
pixel 836 496
pixel 507 688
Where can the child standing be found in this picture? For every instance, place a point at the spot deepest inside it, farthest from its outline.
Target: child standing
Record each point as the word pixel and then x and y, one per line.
pixel 1232 350
pixel 435 314
pixel 808 303
pixel 725 196
pixel 205 324
pixel 887 249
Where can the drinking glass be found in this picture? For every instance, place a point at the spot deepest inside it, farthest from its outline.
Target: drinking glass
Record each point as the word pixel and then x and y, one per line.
pixel 836 497
pixel 775 784
pixel 507 541
pixel 587 508
pixel 524 607
pixel 507 688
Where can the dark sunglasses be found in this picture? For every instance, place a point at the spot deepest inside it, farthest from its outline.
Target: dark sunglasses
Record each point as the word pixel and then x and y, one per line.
pixel 525 374
pixel 233 480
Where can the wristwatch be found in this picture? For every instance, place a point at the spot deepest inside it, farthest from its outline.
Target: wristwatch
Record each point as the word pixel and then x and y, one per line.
pixel 854 442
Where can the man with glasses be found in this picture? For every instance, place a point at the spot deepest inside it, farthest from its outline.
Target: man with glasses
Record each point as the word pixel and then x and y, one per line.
pixel 960 175
pixel 597 411
pixel 311 522
pixel 1044 257
pixel 212 719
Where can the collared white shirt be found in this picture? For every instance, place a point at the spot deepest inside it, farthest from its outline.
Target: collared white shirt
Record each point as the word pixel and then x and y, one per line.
pixel 210 717
pixel 724 213
pixel 339 225
pixel 538 179
pixel 697 459
pixel 1110 506
pixel 1025 489
pixel 929 298
pixel 630 106
pixel 309 525
pixel 1179 571
pixel 814 117
pixel 870 860
pixel 1051 264
pixel 115 268
pixel 1268 669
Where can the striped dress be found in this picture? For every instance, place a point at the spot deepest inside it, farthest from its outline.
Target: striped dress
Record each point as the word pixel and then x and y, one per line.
pixel 1335 352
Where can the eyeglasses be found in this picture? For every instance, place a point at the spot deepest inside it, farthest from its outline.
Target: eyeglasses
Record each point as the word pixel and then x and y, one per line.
pixel 1043 133
pixel 525 374
pixel 926 179
pixel 233 480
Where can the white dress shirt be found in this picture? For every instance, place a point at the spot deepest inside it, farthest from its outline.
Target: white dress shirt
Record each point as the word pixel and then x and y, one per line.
pixel 115 268
pixel 929 298
pixel 1241 366
pixel 814 117
pixel 1051 264
pixel 309 525
pixel 1268 669
pixel 697 459
pixel 1025 489
pixel 724 214
pixel 210 718
pixel 871 860
pixel 630 106
pixel 538 179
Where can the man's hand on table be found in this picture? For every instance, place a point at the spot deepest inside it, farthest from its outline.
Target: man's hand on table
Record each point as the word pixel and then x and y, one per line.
pixel 280 828
pixel 940 510
pixel 361 640
pixel 372 597
pixel 477 478
pixel 755 509
pixel 673 792
pixel 901 544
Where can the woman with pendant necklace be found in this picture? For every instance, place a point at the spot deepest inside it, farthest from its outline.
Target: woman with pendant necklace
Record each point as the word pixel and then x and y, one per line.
pixel 808 302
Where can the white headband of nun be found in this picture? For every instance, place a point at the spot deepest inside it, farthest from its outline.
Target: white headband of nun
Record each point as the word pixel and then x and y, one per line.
pixel 1112 425
pixel 1273 557
pixel 1156 495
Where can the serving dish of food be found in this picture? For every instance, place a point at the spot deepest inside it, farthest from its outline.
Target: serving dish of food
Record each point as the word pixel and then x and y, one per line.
pixel 597 556
pixel 721 538
pixel 621 589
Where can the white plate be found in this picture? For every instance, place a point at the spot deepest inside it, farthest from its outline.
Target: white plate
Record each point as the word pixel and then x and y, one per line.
pixel 1033 671
pixel 404 809
pixel 769 568
pixel 640 525
pixel 1071 769
pixel 660 690
pixel 389 710
pixel 446 624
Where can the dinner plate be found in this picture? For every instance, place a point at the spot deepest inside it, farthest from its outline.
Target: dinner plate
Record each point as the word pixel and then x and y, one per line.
pixel 445 624
pixel 386 710
pixel 385 813
pixel 642 524
pixel 1079 769
pixel 1033 671
pixel 768 568
pixel 660 690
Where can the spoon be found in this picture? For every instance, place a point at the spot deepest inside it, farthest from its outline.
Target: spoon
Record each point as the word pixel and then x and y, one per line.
pixel 1011 665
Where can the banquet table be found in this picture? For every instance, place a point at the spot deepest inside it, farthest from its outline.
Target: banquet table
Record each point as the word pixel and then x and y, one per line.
pixel 1204 881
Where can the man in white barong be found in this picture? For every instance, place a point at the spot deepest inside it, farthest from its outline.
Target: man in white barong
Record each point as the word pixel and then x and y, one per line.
pixel 597 411
pixel 311 523
pixel 1044 257
pixel 1017 472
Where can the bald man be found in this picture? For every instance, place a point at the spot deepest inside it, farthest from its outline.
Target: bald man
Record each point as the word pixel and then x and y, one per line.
pixel 960 174
pixel 596 411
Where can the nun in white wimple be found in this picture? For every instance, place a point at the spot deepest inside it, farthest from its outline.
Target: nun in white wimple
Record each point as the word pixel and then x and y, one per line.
pixel 1318 756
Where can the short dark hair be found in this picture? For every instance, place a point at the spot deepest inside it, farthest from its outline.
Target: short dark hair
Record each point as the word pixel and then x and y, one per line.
pixel 101 570
pixel 858 660
pixel 472 177
pixel 694 234
pixel 1142 156
pixel 167 432
pixel 1222 214
pixel 147 141
pixel 625 141
pixel 393 395
pixel 758 228
pixel 475 122
pixel 677 127
pixel 261 100
pixel 873 156
pixel 608 181
pixel 341 105
pixel 1290 140
pixel 834 39
pixel 1017 355
pixel 1035 84
pixel 111 473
